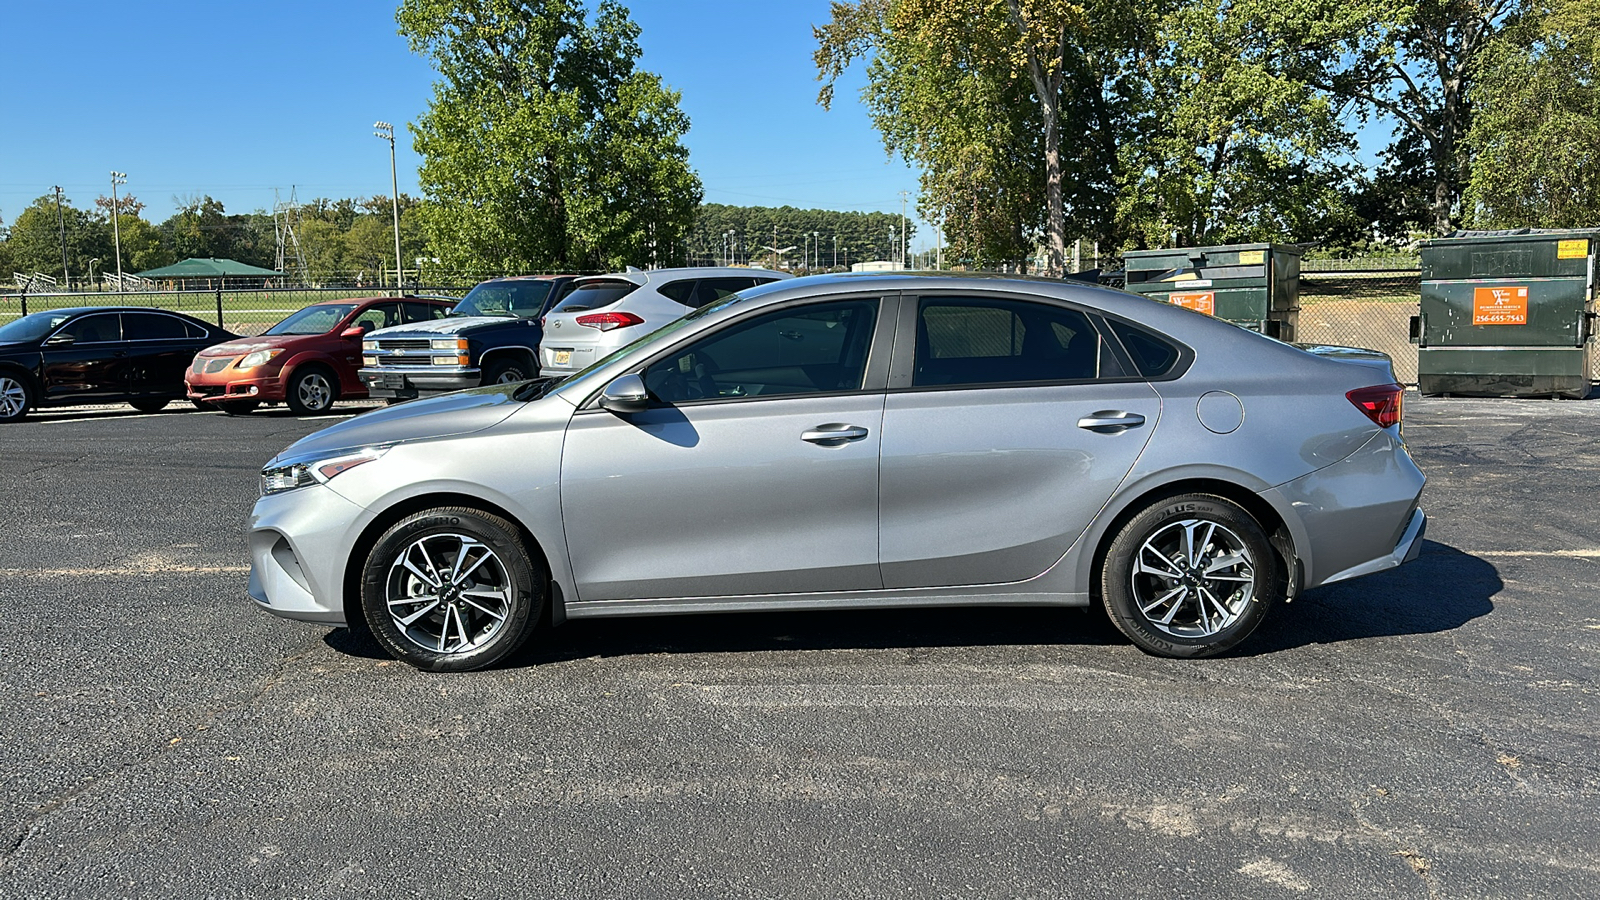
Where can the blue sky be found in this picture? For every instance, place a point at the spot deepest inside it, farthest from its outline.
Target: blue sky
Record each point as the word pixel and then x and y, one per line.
pixel 236 99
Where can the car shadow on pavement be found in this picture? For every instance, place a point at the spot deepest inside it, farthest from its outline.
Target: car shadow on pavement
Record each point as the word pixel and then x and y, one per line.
pixel 1441 590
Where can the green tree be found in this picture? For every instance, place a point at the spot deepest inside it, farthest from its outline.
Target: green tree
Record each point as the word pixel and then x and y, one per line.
pixel 200 229
pixel 35 239
pixel 544 147
pixel 1535 131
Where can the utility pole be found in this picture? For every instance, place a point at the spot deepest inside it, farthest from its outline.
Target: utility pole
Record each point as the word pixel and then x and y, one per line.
pixel 938 246
pixel 835 250
pixel 774 248
pixel 903 236
pixel 61 224
pixel 116 227
pixel 386 132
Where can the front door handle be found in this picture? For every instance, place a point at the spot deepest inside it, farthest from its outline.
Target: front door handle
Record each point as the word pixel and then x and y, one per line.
pixel 834 434
pixel 1110 421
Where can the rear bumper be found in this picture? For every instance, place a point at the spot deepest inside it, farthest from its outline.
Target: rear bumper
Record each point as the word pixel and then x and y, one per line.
pixel 1358 516
pixel 407 383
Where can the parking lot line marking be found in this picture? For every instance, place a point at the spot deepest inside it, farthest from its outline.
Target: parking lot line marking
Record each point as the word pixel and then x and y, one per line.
pixel 1572 554
pixel 124 570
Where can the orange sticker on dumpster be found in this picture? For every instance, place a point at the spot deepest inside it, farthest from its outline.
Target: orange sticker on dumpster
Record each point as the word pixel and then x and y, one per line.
pixel 1199 301
pixel 1500 306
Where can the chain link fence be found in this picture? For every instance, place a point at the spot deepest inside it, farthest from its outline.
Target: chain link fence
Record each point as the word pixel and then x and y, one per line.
pixel 1371 309
pixel 241 311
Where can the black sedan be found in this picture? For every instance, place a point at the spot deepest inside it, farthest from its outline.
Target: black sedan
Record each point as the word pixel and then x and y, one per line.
pixel 98 354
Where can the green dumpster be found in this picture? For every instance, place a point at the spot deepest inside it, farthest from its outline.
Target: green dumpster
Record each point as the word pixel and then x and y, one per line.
pixel 1253 285
pixel 1506 313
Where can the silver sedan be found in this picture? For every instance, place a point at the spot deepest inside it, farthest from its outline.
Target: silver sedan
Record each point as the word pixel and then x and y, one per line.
pixel 851 442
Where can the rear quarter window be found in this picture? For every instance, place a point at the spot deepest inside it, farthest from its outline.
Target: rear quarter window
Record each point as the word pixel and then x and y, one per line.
pixel 1152 356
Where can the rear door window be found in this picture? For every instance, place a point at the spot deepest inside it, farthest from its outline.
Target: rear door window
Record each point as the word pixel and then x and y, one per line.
pixel 709 290
pixel 424 312
pixel 964 341
pixel 152 327
pixel 595 295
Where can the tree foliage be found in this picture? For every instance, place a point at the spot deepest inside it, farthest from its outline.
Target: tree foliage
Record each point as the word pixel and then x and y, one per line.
pixel 544 147
pixel 1535 132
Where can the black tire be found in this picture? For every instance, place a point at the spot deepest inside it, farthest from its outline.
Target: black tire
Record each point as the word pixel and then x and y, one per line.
pixel 312 391
pixel 202 405
pixel 1166 595
pixel 506 371
pixel 394 401
pixel 16 397
pixel 238 407
pixel 149 406
pixel 455 628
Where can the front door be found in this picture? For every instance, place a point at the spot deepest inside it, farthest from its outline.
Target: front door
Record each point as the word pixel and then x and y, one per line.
pixel 755 471
pixel 86 359
pixel 993 461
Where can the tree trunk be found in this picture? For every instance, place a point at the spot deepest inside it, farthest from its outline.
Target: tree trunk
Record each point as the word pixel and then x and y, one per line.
pixel 1446 184
pixel 1055 262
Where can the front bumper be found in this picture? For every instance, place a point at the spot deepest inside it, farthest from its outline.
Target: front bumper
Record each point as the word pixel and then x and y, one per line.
pixel 298 544
pixel 391 382
pixel 223 388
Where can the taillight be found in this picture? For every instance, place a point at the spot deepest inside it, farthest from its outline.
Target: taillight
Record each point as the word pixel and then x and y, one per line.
pixel 1381 403
pixel 610 320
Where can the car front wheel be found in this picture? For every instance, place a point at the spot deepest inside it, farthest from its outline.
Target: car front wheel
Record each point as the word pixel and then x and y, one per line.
pixel 15 398
pixel 451 589
pixel 506 372
pixel 311 391
pixel 1190 576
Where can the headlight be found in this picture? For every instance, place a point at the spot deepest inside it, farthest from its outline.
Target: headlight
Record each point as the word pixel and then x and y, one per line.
pixel 450 344
pixel 258 358
pixel 369 346
pixel 369 360
pixel 277 479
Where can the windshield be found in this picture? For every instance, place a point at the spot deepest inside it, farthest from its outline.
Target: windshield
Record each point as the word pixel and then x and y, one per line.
pixel 509 299
pixel 318 319
pixel 651 338
pixel 32 328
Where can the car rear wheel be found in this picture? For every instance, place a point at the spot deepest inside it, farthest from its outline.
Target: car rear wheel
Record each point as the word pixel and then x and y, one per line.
pixel 507 371
pixel 1190 576
pixel 312 391
pixel 238 407
pixel 15 398
pixel 451 589
pixel 149 406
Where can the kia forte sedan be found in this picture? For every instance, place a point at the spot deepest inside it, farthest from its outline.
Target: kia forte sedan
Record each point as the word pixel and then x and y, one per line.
pixel 857 441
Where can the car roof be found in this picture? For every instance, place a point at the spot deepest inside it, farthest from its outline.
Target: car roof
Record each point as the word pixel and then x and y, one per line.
pixel 651 276
pixel 79 310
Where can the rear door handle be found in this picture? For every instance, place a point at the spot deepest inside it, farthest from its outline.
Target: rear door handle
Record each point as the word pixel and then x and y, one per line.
pixel 1110 421
pixel 834 434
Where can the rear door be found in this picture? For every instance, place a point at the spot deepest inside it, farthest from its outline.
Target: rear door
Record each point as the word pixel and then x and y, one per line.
pixel 160 347
pixel 755 471
pixel 1008 425
pixel 87 359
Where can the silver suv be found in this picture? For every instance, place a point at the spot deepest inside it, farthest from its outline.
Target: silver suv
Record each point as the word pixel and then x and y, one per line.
pixel 605 312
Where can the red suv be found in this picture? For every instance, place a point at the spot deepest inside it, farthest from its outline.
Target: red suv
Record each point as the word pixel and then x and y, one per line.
pixel 307 361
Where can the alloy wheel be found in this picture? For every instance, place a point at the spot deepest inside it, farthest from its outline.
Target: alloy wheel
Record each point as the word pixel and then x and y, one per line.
pixel 448 593
pixel 314 391
pixel 13 397
pixel 1193 578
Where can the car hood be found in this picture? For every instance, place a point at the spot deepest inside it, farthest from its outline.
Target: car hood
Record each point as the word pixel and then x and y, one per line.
pixel 441 326
pixel 240 346
pixel 462 412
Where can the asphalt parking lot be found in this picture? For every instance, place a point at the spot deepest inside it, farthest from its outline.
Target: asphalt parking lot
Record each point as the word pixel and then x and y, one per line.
pixel 1433 731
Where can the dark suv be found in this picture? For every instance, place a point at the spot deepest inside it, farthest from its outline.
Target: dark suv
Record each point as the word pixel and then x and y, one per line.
pixel 490 337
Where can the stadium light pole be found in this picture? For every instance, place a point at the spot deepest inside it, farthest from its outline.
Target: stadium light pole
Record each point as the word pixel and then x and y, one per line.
pixel 386 132
pixel 62 225
pixel 116 227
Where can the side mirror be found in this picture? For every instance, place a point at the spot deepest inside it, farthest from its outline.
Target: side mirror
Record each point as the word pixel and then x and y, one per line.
pixel 625 395
pixel 60 340
pixel 355 331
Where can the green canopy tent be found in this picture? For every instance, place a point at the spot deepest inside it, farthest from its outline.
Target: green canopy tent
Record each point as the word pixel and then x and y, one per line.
pixel 212 273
